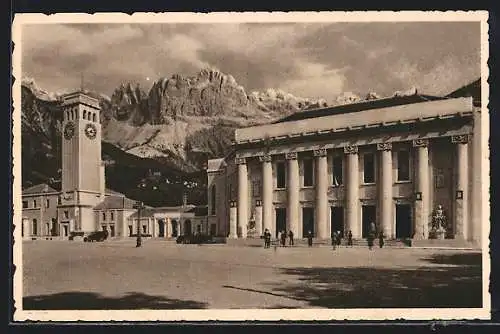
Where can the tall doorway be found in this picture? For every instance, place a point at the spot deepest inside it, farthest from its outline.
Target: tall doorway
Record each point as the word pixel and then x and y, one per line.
pixel 161 228
pixel 187 227
pixel 280 220
pixel 337 219
pixel 65 230
pixel 175 228
pixel 307 221
pixel 403 221
pixel 368 215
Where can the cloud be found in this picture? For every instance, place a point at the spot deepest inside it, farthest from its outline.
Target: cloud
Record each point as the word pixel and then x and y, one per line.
pixel 306 59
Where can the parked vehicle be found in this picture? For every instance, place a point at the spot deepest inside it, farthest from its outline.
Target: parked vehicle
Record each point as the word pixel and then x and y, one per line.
pixel 195 239
pixel 96 236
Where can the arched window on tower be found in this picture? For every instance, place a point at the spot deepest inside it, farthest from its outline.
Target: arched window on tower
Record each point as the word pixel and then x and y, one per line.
pixel 93 117
pixel 85 114
pixel 213 200
pixel 67 115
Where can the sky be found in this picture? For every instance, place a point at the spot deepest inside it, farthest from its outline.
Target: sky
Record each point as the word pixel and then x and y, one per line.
pixel 316 60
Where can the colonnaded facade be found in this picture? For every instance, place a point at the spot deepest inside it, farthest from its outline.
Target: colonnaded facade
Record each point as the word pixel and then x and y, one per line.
pixel 395 161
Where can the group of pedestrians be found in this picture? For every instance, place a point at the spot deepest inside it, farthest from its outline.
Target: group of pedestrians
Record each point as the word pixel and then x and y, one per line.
pixel 336 238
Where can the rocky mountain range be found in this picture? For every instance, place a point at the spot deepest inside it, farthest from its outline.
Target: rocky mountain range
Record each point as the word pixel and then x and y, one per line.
pixel 158 139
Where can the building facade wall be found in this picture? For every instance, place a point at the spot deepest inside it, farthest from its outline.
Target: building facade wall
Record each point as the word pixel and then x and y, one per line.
pixel 444 141
pixel 43 209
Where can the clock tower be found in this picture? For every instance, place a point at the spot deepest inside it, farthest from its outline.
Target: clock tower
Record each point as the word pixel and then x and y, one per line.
pixel 82 170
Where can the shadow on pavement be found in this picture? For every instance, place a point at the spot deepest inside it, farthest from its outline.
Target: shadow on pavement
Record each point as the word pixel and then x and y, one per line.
pixel 365 287
pixel 76 300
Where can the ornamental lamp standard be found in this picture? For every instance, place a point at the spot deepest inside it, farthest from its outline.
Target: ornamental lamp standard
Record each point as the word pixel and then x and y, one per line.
pixel 139 206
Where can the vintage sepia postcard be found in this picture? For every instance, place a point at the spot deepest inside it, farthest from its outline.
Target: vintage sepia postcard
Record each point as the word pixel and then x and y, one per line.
pixel 251 166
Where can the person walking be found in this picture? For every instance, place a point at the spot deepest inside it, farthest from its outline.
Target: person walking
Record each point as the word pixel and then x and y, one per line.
pixel 371 235
pixel 339 238
pixel 349 238
pixel 278 238
pixel 334 240
pixel 267 238
pixel 283 238
pixel 309 239
pixel 381 239
pixel 290 238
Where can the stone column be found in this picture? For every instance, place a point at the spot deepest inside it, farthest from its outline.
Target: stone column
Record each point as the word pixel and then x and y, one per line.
pixel 258 217
pixel 385 189
pixel 461 186
pixel 168 228
pixel 321 185
pixel 242 196
pixel 422 188
pixel 352 191
pixel 292 214
pixel 233 219
pixel 267 194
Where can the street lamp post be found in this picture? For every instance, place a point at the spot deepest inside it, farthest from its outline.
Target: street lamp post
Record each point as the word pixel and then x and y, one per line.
pixel 139 206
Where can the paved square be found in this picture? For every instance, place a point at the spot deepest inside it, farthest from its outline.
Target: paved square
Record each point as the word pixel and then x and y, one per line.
pixel 163 275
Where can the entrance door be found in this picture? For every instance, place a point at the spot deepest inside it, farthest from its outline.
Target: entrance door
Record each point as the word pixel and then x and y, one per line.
pixel 175 230
pixel 130 230
pixel 161 228
pixel 112 230
pixel 213 227
pixel 368 214
pixel 403 221
pixel 187 230
pixel 280 220
pixel 337 220
pixel 66 230
pixel 307 221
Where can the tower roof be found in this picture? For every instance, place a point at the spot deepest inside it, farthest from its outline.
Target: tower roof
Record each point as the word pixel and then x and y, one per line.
pixel 80 97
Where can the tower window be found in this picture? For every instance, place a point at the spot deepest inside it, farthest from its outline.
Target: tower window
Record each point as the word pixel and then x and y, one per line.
pixel 213 194
pixel 280 175
pixel 369 168
pixel 337 170
pixel 66 214
pixel 93 117
pixel 403 165
pixel 104 216
pixel 85 114
pixel 34 203
pixel 35 227
pixel 112 215
pixel 308 172
pixel 47 203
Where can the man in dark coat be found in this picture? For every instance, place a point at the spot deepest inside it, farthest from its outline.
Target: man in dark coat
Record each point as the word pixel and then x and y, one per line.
pixel 381 239
pixel 309 239
pixel 290 236
pixel 283 238
pixel 267 238
pixel 349 238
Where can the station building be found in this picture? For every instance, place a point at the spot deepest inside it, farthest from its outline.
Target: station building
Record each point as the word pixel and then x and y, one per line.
pixel 391 161
pixel 83 204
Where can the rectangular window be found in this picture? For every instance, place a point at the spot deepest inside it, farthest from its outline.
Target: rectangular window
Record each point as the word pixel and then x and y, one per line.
pixel 337 171
pixel 280 175
pixel 403 165
pixel 59 200
pixel 112 215
pixel 144 229
pixel 308 173
pixel 47 203
pixel 104 216
pixel 256 189
pixel 369 168
pixel 66 214
pixel 35 227
pixel 25 204
pixel 34 203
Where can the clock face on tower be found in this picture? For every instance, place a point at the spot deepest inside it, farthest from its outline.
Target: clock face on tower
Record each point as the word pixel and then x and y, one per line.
pixel 69 130
pixel 90 130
